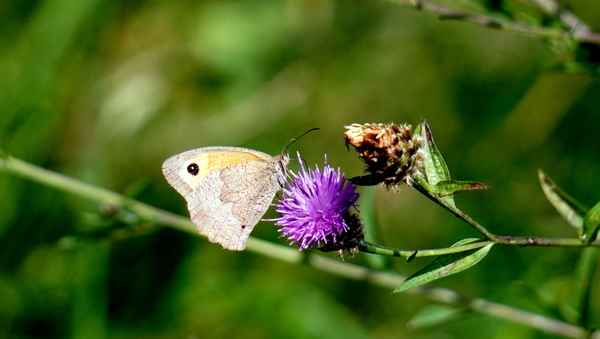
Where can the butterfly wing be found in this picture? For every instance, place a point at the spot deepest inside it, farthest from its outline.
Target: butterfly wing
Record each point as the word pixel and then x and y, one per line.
pixel 229 190
pixel 228 205
pixel 178 173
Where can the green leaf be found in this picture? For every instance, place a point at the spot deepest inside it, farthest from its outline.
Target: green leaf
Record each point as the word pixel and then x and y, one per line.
pixel 418 129
pixel 436 169
pixel 445 265
pixel 449 187
pixel 433 315
pixel 591 223
pixel 570 209
pixel 434 165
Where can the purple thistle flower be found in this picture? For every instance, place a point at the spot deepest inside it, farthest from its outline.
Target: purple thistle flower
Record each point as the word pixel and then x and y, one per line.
pixel 314 205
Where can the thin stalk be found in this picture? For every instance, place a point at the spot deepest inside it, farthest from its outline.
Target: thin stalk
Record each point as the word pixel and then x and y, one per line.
pixel 368 247
pixel 580 35
pixel 420 186
pixel 103 196
pixel 570 20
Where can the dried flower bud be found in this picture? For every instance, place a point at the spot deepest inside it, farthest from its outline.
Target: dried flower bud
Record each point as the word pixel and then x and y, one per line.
pixel 389 151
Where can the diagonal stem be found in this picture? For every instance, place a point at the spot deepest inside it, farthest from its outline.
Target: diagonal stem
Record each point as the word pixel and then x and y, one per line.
pixel 569 19
pixel 368 247
pixel 579 33
pixel 419 185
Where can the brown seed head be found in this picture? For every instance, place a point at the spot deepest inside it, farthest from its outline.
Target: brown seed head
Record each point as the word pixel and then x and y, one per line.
pixel 389 151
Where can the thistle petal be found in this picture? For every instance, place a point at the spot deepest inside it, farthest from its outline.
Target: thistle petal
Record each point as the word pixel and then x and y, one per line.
pixel 313 206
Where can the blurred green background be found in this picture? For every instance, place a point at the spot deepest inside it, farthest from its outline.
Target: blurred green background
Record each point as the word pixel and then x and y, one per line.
pixel 106 90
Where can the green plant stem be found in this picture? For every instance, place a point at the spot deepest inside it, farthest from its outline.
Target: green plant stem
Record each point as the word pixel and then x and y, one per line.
pixel 583 283
pixel 103 196
pixel 580 35
pixel 291 255
pixel 421 186
pixel 367 247
pixel 570 20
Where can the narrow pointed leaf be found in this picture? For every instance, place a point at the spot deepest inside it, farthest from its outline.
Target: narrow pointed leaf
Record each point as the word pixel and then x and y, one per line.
pixel 591 223
pixel 445 265
pixel 434 165
pixel 449 187
pixel 436 169
pixel 418 129
pixel 570 209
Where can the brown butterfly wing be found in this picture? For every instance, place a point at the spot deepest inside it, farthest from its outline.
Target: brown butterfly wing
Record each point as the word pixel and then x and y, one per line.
pixel 229 202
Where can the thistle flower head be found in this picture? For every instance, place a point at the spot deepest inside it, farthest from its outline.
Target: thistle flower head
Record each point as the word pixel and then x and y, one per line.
pixel 314 208
pixel 389 151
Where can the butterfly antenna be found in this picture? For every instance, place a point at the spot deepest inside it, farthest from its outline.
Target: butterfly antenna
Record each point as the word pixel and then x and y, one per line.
pixel 293 140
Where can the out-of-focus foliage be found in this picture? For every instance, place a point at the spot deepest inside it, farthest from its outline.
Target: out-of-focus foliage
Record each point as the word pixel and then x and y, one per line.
pixel 105 90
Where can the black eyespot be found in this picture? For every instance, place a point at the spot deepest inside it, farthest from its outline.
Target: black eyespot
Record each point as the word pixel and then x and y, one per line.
pixel 193 169
pixel 243 226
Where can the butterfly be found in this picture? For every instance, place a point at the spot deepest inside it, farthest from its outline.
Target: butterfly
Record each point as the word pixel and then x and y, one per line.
pixel 227 189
